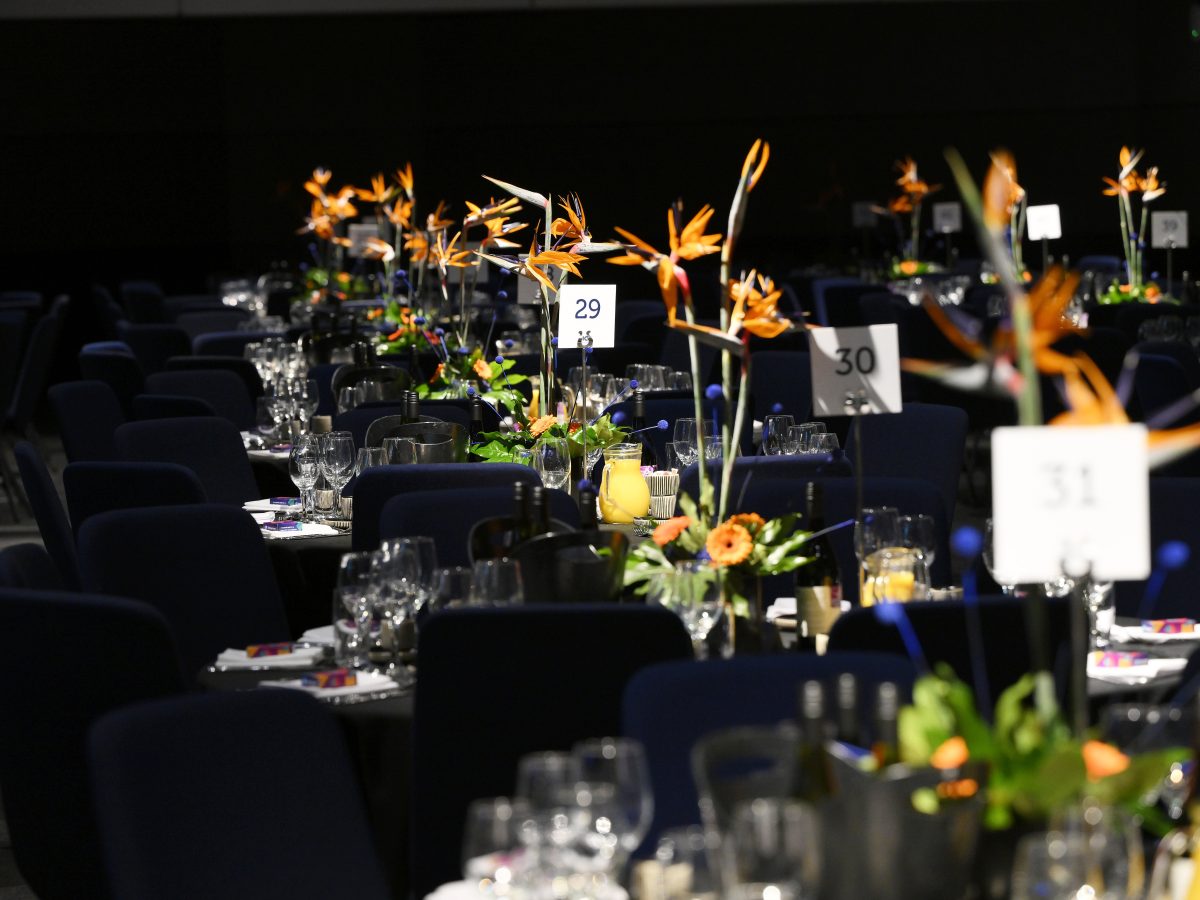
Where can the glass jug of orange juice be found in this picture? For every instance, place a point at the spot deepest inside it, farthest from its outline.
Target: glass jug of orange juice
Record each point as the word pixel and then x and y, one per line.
pixel 624 494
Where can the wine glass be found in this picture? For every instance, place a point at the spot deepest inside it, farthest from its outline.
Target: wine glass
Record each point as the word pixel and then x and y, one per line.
pixel 353 607
pixel 684 438
pixel 451 587
pixel 279 401
pixel 685 856
pixel 424 554
pixel 712 439
pixel 496 582
pixel 989 560
pixel 552 460
pixel 367 457
pixel 337 464
pixel 917 533
pixel 304 464
pixel 693 593
pixel 308 399
pixel 823 442
pixel 775 433
pixel 547 782
pixel 492 852
pixel 264 421
pixel 620 762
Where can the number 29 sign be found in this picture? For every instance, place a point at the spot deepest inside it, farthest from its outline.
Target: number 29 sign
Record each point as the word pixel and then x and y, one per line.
pixel 587 310
pixel 855 371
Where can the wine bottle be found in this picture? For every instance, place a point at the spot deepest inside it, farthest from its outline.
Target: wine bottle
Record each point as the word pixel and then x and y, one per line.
pixel 814 776
pixel 413 407
pixel 587 509
pixel 475 431
pixel 522 524
pixel 539 511
pixel 886 747
pixel 638 432
pixel 818 584
pixel 846 702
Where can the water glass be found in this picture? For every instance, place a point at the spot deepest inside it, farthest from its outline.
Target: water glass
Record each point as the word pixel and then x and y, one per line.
pixel 367 457
pixel 304 466
pixel 772 851
pixel 496 582
pixel 264 421
pixel 492 851
pixel 423 552
pixel 621 763
pixel 399 451
pixel 918 533
pixel 347 400
pixel 684 857
pixel 823 442
pixel 353 608
pixel 451 587
pixel 552 460
pixel 1075 863
pixel 774 434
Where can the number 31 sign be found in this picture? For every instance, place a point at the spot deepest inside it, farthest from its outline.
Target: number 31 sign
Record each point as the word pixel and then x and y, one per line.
pixel 587 309
pixel 859 364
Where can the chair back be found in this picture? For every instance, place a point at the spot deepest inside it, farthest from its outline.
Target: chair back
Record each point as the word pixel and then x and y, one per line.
pixel 377 485
pixel 224 391
pixel 167 557
pixel 197 322
pixel 900 446
pixel 108 653
pixel 169 406
pixel 1174 516
pixel 449 516
pixel 178 774
pixel 88 414
pixel 505 671
pixel 781 382
pixel 671 706
pixel 143 300
pixel 227 343
pixel 28 566
pixel 208 445
pixel 942 629
pixel 119 370
pixel 96 487
pixel 242 368
pixel 35 369
pixel 154 343
pixel 49 513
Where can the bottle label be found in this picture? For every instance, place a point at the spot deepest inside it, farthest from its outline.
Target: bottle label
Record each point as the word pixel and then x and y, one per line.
pixel 819 606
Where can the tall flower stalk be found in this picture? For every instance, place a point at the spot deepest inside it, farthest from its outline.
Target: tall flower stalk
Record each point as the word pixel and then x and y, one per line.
pixel 1124 187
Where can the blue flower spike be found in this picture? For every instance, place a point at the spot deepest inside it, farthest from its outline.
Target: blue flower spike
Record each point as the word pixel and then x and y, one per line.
pixel 585 484
pixel 501 296
pixel 419 320
pixel 470 390
pixel 1170 556
pixel 554 341
pixel 776 408
pixel 508 344
pixel 633 384
pixel 713 392
pixel 439 332
pixel 618 417
pixel 966 542
pixel 662 425
pixel 499 360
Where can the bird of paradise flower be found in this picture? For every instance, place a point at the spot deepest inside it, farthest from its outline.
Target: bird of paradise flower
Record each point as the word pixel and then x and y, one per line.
pixel 327 211
pixel 913 191
pixel 1133 241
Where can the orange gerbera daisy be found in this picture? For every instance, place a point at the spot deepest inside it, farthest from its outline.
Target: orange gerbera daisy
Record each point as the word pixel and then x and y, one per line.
pixel 671 529
pixel 541 424
pixel 748 519
pixel 1103 759
pixel 729 544
pixel 437 373
pixel 483 369
pixel 952 754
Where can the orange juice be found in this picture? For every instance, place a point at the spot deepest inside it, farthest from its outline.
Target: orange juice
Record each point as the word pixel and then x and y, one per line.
pixel 624 494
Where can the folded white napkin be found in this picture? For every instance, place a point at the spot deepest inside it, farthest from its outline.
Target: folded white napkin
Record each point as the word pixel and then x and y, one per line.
pixel 783 606
pixel 299 658
pixel 1148 671
pixel 368 682
pixel 469 890
pixel 306 530
pixel 261 518
pixel 1126 633
pixel 321 635
pixel 265 505
pixel 268 454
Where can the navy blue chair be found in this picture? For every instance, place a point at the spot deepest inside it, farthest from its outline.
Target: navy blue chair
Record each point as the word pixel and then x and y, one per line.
pixel 1174 516
pixel 88 414
pixel 209 446
pixel 500 673
pixel 154 343
pixel 232 772
pixel 31 300
pixel 781 382
pixel 142 299
pixel 925 441
pixel 323 375
pixel 1158 382
pixel 227 343
pixel 96 487
pixel 49 513
pixel 243 368
pixel 197 322
pixel 127 652
pixel 828 311
pixel 379 484
pixel 752 469
pixel 178 304
pixel 1094 263
pixel 449 515
pixel 672 705
pixel 119 369
pixel 358 420
pixel 225 392
pixel 169 406
pixel 28 566
pixel 204 567
pixel 941 629
pixel 32 376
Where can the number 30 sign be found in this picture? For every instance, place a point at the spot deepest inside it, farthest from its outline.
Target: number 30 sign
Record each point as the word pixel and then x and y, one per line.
pixel 587 309
pixel 862 364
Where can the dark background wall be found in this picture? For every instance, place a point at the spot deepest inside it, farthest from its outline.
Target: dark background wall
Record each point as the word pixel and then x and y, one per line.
pixel 176 148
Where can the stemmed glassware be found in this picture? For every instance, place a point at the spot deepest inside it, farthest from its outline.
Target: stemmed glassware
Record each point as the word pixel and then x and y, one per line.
pixel 876 530
pixel 353 609
pixel 496 582
pixel 337 464
pixel 423 551
pixel 989 561
pixel 775 434
pixel 304 466
pixel 620 762
pixel 918 533
pixel 693 593
pixel 684 439
pixel 552 460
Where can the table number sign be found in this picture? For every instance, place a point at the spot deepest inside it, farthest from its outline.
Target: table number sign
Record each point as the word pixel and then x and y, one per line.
pixel 1073 496
pixel 587 309
pixel 947 217
pixel 1043 222
pixel 359 234
pixel 1168 230
pixel 853 363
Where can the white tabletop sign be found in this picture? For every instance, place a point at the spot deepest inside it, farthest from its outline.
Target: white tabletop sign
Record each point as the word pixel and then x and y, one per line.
pixel 359 233
pixel 587 309
pixel 862 214
pixel 1066 498
pixel 947 217
pixel 527 292
pixel 1043 222
pixel 849 362
pixel 1168 230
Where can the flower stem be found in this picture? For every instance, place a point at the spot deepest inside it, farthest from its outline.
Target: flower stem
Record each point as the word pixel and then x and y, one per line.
pixel 705 499
pixel 731 446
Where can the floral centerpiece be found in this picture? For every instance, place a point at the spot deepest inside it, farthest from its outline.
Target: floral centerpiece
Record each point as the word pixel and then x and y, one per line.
pixel 741 550
pixel 503 446
pixel 1128 184
pixel 913 191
